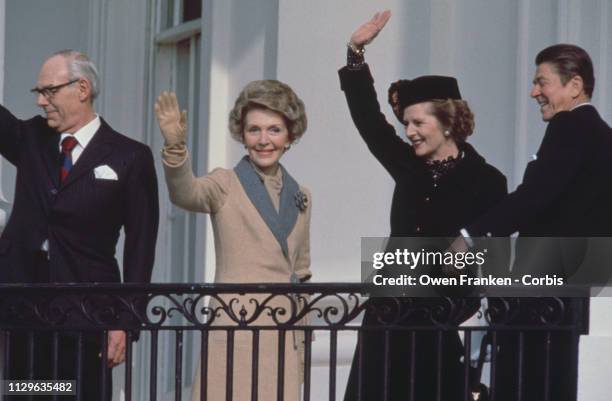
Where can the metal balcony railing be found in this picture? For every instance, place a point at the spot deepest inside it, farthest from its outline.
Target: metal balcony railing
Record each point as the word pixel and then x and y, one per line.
pixel 404 345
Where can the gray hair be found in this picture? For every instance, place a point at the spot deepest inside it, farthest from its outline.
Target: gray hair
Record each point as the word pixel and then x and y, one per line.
pixel 81 67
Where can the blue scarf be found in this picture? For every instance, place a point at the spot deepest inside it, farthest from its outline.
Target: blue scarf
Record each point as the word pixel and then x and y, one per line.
pixel 281 223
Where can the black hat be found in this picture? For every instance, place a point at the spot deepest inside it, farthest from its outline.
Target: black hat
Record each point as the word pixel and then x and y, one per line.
pixel 426 88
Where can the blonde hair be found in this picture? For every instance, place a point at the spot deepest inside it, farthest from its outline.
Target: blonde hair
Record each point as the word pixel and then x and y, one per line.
pixel 273 95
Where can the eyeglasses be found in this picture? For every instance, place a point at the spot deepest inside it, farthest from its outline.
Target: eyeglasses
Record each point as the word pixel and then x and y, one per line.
pixel 49 91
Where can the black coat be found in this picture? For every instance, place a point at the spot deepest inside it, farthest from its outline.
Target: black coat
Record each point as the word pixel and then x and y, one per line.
pixel 420 208
pixel 81 218
pixel 565 192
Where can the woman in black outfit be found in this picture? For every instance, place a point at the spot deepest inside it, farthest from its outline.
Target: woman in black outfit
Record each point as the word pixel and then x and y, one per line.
pixel 442 184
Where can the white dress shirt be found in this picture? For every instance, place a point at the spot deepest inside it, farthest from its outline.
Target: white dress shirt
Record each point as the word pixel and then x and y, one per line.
pixel 83 136
pixel 580 105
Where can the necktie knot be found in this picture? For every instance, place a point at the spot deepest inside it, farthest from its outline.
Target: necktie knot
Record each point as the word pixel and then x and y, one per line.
pixel 68 144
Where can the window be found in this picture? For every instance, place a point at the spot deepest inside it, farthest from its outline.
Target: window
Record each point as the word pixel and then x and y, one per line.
pixel 175 66
pixel 176 12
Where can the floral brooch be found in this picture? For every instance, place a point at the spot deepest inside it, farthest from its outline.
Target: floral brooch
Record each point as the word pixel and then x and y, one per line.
pixel 301 200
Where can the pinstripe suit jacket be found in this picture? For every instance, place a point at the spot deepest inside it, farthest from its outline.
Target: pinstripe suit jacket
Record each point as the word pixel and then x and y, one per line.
pixel 82 217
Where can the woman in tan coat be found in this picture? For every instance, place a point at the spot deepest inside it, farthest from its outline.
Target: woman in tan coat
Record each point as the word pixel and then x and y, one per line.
pixel 261 219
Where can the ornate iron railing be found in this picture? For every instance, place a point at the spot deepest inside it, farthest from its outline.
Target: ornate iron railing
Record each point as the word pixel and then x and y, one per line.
pixel 91 310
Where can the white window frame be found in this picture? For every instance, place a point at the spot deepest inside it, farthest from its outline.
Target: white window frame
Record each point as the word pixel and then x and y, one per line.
pixel 165 51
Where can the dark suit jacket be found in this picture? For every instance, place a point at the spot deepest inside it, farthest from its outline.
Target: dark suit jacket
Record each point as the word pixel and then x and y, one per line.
pixel 82 217
pixel 566 191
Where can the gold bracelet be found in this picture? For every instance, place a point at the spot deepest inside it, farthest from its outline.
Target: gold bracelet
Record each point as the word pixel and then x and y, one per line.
pixel 357 50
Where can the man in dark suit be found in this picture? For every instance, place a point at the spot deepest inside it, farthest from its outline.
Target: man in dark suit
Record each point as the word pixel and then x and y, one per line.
pixel 565 193
pixel 78 183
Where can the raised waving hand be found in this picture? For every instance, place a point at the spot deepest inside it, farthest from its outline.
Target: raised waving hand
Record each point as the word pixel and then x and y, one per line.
pixel 172 122
pixel 368 31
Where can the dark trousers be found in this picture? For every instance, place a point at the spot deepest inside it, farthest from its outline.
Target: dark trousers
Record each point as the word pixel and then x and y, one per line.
pixel 31 357
pixel 539 364
pixel 548 364
pixel 400 368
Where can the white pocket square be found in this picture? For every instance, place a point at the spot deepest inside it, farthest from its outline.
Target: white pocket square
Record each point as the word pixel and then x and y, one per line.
pixel 104 172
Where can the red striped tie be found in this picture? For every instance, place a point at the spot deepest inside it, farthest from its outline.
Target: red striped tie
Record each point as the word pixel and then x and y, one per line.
pixel 68 143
